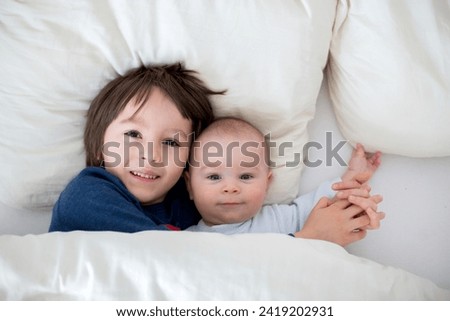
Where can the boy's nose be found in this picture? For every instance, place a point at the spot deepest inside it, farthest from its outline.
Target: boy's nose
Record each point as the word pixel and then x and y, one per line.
pixel 153 153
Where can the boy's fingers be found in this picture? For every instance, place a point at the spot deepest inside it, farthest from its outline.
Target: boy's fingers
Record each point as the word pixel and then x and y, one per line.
pixel 360 222
pixel 323 202
pixel 356 235
pixel 353 210
pixel 341 204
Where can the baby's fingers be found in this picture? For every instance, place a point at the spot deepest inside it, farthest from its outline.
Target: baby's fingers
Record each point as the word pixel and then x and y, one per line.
pixel 375 218
pixel 375 159
pixel 366 203
pixel 362 192
pixel 359 150
pixel 353 184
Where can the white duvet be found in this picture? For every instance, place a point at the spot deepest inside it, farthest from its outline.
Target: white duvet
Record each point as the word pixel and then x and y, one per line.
pixel 157 265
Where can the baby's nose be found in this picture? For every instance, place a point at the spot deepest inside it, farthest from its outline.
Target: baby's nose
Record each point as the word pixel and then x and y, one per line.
pixel 230 188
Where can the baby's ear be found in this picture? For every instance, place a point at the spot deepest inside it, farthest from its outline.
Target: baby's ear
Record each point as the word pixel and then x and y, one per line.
pixel 187 179
pixel 269 178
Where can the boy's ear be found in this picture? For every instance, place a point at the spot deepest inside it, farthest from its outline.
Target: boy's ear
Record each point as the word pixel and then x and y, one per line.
pixel 187 179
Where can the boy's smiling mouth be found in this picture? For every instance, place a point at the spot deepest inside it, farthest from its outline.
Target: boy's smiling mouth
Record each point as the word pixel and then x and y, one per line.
pixel 144 175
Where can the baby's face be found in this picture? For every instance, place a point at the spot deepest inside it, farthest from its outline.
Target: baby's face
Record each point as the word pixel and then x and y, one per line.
pixel 228 178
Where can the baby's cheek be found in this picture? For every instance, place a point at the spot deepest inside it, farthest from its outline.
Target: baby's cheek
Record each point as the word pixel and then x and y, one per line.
pixel 258 199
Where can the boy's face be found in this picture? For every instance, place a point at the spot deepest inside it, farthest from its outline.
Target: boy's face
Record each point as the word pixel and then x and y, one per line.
pixel 228 178
pixel 148 149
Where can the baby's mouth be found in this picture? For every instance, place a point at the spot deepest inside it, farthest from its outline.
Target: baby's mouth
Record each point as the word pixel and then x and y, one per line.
pixel 230 204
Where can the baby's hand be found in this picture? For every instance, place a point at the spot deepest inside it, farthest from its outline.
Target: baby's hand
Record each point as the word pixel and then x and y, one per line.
pixel 369 205
pixel 359 194
pixel 351 187
pixel 362 164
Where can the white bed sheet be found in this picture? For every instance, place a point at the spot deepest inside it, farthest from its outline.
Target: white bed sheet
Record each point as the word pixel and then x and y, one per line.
pixel 416 194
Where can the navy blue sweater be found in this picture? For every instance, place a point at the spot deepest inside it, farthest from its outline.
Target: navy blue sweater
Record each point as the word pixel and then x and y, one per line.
pixel 96 200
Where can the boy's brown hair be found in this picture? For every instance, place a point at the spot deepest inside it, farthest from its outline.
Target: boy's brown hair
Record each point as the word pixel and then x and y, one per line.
pixel 189 94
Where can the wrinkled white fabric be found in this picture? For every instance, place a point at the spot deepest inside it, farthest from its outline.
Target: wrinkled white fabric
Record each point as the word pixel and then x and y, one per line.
pixel 158 265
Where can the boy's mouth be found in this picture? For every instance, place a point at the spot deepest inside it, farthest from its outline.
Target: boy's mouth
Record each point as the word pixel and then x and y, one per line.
pixel 144 175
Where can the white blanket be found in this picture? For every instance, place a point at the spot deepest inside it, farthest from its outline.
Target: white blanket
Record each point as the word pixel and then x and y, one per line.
pixel 190 266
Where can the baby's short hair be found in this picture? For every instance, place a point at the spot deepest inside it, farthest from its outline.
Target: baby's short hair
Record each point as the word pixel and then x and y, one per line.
pixel 233 125
pixel 237 127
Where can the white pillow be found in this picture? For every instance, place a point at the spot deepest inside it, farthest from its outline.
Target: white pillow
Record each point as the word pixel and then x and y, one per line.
pixel 56 56
pixel 389 75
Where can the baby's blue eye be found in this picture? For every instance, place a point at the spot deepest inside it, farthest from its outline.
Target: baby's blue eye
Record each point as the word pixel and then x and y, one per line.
pixel 246 176
pixel 133 133
pixel 214 177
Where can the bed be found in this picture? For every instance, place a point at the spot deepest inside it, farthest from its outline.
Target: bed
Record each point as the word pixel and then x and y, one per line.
pixel 318 75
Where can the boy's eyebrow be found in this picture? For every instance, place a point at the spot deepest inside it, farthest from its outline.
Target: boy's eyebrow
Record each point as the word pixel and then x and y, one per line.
pixel 132 119
pixel 138 121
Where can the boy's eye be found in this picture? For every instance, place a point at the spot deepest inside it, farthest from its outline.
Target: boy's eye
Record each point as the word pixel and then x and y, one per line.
pixel 133 133
pixel 246 176
pixel 213 177
pixel 171 142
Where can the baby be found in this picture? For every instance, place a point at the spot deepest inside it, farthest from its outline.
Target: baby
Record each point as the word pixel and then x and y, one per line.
pixel 229 176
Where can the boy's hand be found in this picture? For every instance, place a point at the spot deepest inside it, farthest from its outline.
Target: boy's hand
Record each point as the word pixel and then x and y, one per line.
pixel 340 222
pixel 362 164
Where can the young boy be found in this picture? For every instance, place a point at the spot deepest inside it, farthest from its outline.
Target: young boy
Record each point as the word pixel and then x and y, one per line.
pixel 229 176
pixel 137 137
